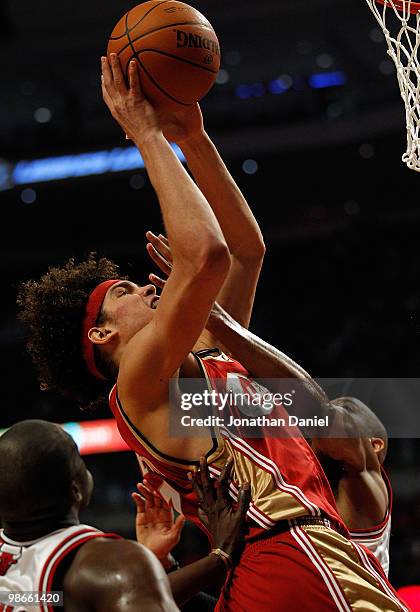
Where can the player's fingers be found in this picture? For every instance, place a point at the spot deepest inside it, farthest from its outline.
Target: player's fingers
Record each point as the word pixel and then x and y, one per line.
pixel 160 245
pixel 164 239
pixel 154 491
pixel 164 249
pixel 146 484
pixel 244 499
pixel 158 259
pixel 223 480
pixel 139 501
pixel 105 95
pixel 117 74
pixel 206 481
pixel 107 80
pixel 134 79
pixel 156 252
pixel 148 496
pixel 107 99
pixel 158 500
pixel 157 281
pixel 195 480
pixel 203 517
pixel 178 525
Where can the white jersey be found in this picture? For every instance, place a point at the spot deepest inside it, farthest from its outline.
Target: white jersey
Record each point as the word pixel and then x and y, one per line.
pixel 376 538
pixel 31 566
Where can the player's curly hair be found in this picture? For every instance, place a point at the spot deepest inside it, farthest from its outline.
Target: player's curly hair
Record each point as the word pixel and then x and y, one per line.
pixel 52 308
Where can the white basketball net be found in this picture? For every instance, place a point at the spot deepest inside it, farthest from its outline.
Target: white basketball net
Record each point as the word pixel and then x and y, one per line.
pixel 403 46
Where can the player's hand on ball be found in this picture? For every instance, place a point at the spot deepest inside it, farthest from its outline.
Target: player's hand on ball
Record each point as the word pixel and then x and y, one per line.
pixel 128 105
pixel 182 126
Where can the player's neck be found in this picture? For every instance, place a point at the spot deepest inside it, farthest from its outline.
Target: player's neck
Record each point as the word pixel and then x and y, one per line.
pixel 27 531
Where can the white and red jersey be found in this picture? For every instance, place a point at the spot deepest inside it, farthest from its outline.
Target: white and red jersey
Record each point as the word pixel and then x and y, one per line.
pixel 287 481
pixel 376 538
pixel 32 565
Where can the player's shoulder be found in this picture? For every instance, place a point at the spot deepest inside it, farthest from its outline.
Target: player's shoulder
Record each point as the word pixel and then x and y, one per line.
pixel 103 568
pixel 109 552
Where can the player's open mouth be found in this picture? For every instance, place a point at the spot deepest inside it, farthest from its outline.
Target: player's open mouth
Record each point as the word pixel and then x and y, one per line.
pixel 154 302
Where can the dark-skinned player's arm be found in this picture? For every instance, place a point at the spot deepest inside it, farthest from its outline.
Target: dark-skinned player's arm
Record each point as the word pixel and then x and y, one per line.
pixel 235 217
pixel 201 258
pixel 265 361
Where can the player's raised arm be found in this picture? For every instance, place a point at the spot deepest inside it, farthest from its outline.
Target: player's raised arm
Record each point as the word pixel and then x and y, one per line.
pixel 200 254
pixel 237 222
pixel 347 430
pixel 260 358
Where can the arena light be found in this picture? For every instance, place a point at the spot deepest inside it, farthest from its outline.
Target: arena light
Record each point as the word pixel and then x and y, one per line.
pixel 91 437
pixel 282 84
pixel 278 86
pixel 322 80
pixel 27 172
pixel 243 92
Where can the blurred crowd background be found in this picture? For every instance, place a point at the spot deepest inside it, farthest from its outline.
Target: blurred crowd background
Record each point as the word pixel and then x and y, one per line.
pixel 306 112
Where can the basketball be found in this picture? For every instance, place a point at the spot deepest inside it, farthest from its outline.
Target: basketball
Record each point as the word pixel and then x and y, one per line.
pixel 176 48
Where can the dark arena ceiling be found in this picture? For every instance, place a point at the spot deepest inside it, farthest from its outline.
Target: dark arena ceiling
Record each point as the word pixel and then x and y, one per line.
pixel 50 60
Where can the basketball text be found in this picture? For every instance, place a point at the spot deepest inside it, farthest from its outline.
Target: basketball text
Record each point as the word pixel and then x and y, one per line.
pixel 188 39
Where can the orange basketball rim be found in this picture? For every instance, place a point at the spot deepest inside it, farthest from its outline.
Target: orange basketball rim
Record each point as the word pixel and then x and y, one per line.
pixel 401 5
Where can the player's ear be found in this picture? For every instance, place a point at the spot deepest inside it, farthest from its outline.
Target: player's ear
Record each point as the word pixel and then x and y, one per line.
pixel 76 492
pixel 101 335
pixel 377 444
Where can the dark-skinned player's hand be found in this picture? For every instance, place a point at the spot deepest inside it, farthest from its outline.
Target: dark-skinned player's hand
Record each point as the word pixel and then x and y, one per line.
pixel 225 520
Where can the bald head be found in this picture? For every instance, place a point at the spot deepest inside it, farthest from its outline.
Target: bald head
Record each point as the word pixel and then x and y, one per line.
pixel 39 463
pixel 370 425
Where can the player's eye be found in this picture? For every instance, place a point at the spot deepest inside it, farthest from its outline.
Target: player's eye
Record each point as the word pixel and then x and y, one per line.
pixel 121 291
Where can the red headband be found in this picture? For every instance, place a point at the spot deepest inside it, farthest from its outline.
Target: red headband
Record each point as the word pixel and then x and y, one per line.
pixel 93 308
